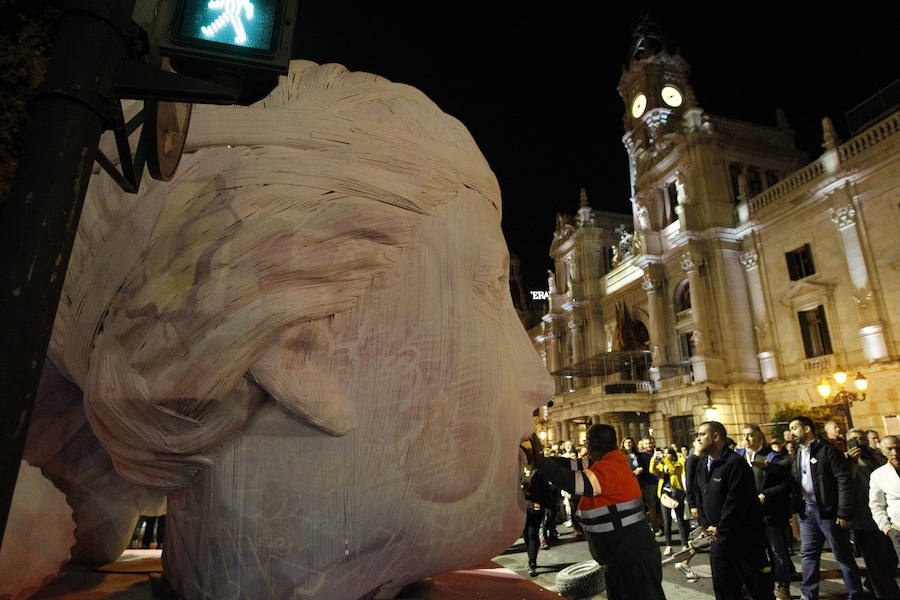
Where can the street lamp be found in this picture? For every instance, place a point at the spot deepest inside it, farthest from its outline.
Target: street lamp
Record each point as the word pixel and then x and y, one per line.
pixel 844 398
pixel 710 411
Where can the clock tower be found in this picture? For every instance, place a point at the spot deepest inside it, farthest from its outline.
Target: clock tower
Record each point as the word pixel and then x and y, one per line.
pixel 659 100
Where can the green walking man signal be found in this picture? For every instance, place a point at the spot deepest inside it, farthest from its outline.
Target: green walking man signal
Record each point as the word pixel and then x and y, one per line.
pixel 244 43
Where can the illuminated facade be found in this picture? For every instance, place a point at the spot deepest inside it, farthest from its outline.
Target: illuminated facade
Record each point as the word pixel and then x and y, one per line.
pixel 748 272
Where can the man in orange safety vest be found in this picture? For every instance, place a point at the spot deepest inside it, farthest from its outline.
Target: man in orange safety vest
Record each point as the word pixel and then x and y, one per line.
pixel 611 512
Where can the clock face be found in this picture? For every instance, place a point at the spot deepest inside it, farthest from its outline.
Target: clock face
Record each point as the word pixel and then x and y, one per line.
pixel 638 105
pixel 671 95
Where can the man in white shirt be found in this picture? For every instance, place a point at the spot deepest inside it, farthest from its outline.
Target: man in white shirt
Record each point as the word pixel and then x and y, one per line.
pixel 884 492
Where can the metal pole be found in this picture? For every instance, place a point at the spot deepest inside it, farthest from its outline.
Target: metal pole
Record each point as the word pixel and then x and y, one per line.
pixel 40 216
pixel 847 408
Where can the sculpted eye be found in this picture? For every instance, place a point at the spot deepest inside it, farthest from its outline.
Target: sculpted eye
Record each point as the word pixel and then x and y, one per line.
pixel 492 274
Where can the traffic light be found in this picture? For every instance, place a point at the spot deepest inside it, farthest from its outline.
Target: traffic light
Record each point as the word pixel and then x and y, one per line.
pixel 244 44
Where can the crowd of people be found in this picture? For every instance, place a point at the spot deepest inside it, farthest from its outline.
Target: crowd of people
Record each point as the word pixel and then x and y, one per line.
pixel 753 497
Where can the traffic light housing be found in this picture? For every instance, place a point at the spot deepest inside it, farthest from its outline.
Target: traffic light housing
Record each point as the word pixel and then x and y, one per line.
pixel 244 44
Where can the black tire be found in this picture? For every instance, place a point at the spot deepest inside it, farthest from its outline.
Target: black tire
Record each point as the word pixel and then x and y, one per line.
pixel 581 580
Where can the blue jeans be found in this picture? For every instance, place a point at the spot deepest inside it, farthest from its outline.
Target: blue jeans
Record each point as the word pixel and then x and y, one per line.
pixel 813 533
pixel 775 535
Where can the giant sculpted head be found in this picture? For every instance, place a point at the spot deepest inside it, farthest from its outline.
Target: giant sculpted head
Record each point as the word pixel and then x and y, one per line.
pixel 300 337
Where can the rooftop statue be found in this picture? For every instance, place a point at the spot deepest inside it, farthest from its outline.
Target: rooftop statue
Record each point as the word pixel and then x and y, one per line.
pixel 301 338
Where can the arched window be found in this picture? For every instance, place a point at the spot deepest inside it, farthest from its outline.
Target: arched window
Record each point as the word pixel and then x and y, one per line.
pixel 682 299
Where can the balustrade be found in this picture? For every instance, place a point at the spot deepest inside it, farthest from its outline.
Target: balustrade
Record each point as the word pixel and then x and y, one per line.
pixel 819 363
pixel 684 317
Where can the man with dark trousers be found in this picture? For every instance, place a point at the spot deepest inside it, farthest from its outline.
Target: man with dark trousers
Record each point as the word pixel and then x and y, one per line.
pixel 537 494
pixel 612 514
pixel 771 473
pixel 730 510
pixel 649 484
pixel 823 499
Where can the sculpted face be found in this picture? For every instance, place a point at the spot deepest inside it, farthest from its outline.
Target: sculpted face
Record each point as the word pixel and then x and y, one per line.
pixel 300 337
pixel 432 358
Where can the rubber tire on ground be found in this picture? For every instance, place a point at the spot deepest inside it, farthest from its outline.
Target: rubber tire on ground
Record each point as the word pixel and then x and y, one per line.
pixel 581 580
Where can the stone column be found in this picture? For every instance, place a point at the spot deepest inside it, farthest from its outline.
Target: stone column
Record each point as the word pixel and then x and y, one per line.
pixel 654 286
pixel 761 324
pixel 617 421
pixel 554 359
pixel 594 335
pixel 871 327
pixel 690 263
pixel 557 432
pixel 577 325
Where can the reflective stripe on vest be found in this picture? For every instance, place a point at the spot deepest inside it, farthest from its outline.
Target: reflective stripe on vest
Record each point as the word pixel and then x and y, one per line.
pixel 615 516
pixel 609 526
pixel 604 510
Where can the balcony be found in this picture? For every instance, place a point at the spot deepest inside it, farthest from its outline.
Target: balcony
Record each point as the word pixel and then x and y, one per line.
pixel 624 372
pixel 684 318
pixel 675 381
pixel 819 364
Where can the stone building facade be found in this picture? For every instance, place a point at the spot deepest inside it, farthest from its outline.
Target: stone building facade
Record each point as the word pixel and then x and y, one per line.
pixel 748 271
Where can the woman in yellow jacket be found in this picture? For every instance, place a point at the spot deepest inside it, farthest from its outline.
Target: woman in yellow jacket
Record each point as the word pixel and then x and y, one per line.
pixel 668 465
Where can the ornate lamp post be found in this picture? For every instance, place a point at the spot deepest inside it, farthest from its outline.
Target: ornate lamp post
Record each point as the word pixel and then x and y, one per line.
pixel 710 411
pixel 843 399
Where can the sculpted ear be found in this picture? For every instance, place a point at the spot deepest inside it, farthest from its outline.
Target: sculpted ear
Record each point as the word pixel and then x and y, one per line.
pixel 300 372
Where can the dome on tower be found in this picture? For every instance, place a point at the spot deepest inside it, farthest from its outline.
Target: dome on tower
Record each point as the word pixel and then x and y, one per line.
pixel 647 39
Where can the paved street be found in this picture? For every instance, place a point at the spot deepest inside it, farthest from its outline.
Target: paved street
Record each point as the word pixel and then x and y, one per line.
pixel 569 551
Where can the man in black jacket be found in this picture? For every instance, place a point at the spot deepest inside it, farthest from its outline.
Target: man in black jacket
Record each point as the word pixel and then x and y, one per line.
pixel 729 508
pixel 771 472
pixel 823 497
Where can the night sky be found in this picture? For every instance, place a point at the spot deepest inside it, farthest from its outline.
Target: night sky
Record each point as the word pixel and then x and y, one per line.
pixel 535 83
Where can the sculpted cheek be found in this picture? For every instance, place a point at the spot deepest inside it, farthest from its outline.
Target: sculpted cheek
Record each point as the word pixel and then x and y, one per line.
pixel 448 470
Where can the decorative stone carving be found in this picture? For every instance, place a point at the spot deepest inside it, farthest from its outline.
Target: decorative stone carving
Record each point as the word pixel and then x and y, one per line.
pixel 690 262
pixel 551 281
pixel 697 341
pixel 864 297
pixel 762 329
pixel 651 285
pixel 643 216
pixel 610 329
pixel 750 260
pixel 843 217
pixel 656 352
pixel 279 335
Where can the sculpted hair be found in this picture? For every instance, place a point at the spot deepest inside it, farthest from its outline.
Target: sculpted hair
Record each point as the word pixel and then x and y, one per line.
pixel 281 214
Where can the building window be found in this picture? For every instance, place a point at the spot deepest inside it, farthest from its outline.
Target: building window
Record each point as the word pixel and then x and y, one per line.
pixel 771 178
pixel 734 172
pixel 754 181
pixel 682 296
pixel 814 329
pixel 682 429
pixel 800 262
pixel 672 194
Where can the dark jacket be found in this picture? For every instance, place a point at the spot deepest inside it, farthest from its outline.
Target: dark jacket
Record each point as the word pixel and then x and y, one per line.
pixel 690 473
pixel 728 498
pixel 831 481
pixel 774 485
pixel 539 491
pixel 861 470
pixel 645 477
